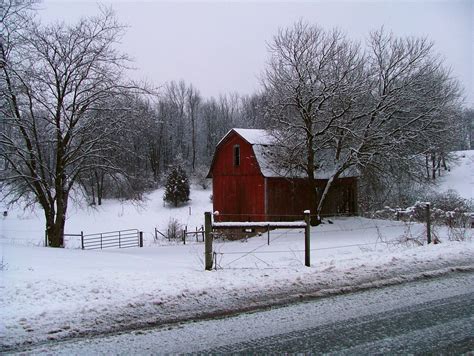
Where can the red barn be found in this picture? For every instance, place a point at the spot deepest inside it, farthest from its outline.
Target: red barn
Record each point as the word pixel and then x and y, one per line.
pixel 246 188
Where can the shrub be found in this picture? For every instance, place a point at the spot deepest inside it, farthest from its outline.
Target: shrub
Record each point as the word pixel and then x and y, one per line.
pixel 174 229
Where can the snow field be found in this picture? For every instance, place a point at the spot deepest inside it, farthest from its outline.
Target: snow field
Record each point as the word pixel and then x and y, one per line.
pixel 56 293
pixel 49 294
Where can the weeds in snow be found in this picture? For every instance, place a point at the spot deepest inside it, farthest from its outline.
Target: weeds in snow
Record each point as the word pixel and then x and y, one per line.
pixel 3 265
pixel 460 233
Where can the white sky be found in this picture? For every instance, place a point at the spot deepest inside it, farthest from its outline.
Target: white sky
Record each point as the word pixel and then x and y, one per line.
pixel 220 47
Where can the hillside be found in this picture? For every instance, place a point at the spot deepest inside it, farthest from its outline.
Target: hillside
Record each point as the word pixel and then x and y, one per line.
pixel 461 176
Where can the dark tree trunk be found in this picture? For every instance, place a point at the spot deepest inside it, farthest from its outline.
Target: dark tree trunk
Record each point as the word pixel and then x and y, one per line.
pixel 427 165
pixel 433 166
pixel 99 181
pixel 56 221
pixel 93 193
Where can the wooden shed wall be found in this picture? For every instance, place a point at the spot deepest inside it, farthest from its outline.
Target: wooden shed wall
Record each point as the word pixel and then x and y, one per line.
pixel 288 198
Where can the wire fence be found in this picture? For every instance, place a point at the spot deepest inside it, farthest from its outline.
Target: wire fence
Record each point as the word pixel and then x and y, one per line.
pixel 230 259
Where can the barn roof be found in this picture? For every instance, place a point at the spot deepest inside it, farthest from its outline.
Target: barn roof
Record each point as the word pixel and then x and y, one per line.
pixel 256 136
pixel 261 141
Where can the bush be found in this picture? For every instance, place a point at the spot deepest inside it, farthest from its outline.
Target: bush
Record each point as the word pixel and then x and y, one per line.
pixel 174 229
pixel 450 201
pixel 176 187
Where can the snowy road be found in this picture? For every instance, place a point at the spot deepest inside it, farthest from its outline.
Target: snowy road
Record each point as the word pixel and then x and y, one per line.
pixel 430 315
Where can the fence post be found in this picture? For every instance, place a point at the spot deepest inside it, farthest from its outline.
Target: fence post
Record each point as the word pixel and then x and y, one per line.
pixel 82 240
pixel 119 240
pixel 101 241
pixel 307 233
pixel 268 234
pixel 140 241
pixel 184 235
pixel 45 238
pixel 208 241
pixel 156 235
pixel 428 223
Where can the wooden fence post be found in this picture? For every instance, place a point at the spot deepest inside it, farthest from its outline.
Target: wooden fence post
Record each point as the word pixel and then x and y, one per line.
pixel 307 235
pixel 428 223
pixel 208 241
pixel 82 240
pixel 45 238
pixel 268 235
pixel 140 241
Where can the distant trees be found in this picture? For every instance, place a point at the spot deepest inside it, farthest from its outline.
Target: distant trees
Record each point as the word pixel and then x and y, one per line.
pixel 466 141
pixel 70 119
pixel 336 107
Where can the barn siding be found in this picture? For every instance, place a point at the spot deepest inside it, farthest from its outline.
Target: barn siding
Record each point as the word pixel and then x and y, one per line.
pixel 288 198
pixel 238 191
pixel 242 193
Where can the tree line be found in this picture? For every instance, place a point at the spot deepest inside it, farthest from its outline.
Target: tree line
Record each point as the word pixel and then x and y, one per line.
pixel 71 120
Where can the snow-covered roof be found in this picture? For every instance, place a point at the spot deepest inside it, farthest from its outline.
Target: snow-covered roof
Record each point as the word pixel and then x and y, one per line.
pixel 256 136
pixel 262 141
pixel 271 169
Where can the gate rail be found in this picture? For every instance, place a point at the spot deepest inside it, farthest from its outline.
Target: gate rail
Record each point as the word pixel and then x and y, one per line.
pixel 210 226
pixel 112 239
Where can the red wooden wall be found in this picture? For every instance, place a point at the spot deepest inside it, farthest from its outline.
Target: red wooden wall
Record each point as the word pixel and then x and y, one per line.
pixel 288 198
pixel 238 191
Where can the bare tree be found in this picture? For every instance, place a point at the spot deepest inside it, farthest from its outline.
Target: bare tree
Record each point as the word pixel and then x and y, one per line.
pixel 342 109
pixel 309 83
pixel 193 100
pixel 55 81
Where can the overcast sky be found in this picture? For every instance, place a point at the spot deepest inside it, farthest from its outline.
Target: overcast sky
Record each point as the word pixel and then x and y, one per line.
pixel 220 47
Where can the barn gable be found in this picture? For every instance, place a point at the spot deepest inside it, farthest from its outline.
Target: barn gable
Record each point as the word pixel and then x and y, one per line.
pixel 237 182
pixel 251 137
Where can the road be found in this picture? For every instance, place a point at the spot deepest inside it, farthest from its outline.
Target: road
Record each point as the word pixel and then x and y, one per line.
pixel 428 316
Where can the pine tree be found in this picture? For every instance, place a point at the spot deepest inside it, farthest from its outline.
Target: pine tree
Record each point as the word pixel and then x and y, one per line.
pixel 177 186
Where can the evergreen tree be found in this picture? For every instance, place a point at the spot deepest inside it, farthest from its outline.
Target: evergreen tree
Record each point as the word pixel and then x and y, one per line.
pixel 177 186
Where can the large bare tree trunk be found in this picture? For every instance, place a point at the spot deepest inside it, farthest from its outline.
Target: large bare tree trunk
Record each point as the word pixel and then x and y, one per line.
pixel 55 222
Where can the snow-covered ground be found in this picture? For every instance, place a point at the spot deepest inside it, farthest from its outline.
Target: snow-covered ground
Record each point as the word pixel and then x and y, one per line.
pixel 56 293
pixel 461 176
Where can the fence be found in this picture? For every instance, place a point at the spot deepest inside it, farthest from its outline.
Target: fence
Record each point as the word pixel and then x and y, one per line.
pixel 259 254
pixel 182 234
pixel 46 244
pixel 112 239
pixel 210 227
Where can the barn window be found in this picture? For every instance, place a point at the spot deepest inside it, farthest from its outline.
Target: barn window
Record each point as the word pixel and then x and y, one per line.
pixel 236 155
